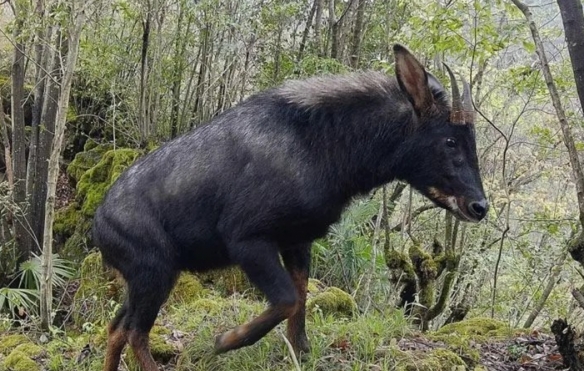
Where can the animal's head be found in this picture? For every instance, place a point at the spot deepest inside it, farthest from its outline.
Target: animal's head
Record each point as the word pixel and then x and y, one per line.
pixel 439 154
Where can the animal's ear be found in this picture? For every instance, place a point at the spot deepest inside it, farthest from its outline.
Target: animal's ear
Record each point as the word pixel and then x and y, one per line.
pixel 413 78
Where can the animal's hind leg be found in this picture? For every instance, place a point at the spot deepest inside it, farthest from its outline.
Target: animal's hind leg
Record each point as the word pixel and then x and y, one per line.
pixel 116 340
pixel 147 292
pixel 297 262
pixel 260 261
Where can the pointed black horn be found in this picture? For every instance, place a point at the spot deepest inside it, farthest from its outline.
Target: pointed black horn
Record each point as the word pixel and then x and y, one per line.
pixel 467 106
pixel 456 116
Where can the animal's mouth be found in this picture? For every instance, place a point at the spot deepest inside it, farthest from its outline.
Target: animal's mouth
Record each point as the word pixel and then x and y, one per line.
pixel 456 205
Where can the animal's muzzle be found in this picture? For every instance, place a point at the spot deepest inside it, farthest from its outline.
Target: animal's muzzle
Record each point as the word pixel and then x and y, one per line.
pixel 478 209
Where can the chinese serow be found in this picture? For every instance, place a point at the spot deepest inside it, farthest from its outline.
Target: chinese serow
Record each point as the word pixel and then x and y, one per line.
pixel 266 178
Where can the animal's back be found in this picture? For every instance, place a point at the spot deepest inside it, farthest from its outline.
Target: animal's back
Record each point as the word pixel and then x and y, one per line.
pixel 190 193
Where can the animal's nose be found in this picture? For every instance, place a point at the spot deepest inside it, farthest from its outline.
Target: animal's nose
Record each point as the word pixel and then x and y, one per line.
pixel 478 209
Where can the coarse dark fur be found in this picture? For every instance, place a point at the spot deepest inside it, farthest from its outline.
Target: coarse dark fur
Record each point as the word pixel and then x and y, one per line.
pixel 266 178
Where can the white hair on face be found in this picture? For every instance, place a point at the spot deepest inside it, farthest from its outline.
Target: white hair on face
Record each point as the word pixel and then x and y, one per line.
pixel 318 91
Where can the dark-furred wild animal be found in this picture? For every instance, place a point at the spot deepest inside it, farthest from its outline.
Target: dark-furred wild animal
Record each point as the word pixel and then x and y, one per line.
pixel 260 182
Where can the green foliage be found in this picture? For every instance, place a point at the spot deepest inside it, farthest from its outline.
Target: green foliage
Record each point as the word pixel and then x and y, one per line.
pixel 26 294
pixel 31 272
pixel 344 256
pixel 99 292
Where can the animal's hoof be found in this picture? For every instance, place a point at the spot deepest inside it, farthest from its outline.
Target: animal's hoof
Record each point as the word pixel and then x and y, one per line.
pixel 227 341
pixel 219 346
pixel 301 346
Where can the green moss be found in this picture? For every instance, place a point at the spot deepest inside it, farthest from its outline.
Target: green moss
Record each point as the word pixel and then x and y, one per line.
pixel 30 349
pixel 424 266
pixel 9 342
pixel 83 161
pixel 95 182
pixel 447 358
pixel 228 281
pixel 333 301
pixel 20 361
pixel 461 345
pixel 97 288
pixel 478 328
pixel 435 360
pixel 207 306
pixel 314 286
pixel 461 337
pixel 186 289
pixel 67 219
pixel 161 351
pixel 400 262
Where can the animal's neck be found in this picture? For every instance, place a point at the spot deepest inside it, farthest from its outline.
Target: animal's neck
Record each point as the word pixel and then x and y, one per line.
pixel 362 149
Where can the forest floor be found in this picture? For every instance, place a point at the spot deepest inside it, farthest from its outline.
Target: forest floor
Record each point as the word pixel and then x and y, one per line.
pixel 523 352
pixel 183 336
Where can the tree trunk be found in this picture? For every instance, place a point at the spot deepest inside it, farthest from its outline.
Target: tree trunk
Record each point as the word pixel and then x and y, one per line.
pixel 357 32
pixel 336 32
pixel 178 72
pixel 21 232
pixel 143 115
pixel 317 24
pixel 32 180
pixel 577 245
pixel 46 289
pixel 553 278
pixel 573 19
pixel 46 131
pixel 306 30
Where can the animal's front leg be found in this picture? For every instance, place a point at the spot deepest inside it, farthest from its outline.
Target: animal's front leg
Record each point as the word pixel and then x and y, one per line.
pixel 261 263
pixel 297 262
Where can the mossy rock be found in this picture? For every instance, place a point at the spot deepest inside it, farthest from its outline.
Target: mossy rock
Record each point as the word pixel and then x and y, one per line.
pixel 435 360
pixel 314 286
pixel 73 228
pixel 66 219
pixel 228 281
pixel 477 328
pixel 207 306
pixel 462 337
pixel 98 287
pixel 10 342
pixel 83 161
pixel 19 361
pixel 187 288
pixel 95 182
pixel 332 301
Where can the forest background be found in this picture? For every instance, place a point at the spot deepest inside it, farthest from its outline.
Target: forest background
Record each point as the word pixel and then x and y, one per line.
pixel 87 87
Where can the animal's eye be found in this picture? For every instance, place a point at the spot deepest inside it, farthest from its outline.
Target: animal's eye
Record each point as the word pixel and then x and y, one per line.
pixel 451 142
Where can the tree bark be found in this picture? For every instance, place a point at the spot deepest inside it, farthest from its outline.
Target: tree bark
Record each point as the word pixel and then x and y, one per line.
pixel 61 118
pixel 357 33
pixel 573 19
pixel 46 131
pixel 317 24
pixel 143 116
pixel 577 245
pixel 178 72
pixel 21 232
pixel 32 179
pixel 553 279
pixel 336 29
pixel 307 30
